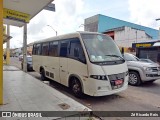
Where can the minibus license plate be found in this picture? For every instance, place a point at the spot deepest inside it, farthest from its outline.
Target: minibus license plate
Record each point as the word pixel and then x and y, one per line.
pixel 118 82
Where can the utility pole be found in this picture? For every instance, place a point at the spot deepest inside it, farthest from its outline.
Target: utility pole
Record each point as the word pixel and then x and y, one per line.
pixel 1 52
pixel 25 48
pixel 8 46
pixel 136 36
pixel 159 29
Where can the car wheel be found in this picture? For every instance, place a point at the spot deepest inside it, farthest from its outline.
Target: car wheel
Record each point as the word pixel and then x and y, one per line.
pixel 134 78
pixel 28 70
pixel 76 87
pixel 43 76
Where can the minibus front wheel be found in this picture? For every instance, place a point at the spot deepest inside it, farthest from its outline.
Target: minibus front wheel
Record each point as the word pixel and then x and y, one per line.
pixel 76 87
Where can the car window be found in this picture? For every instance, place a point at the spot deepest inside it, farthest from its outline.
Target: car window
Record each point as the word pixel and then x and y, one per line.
pixel 147 60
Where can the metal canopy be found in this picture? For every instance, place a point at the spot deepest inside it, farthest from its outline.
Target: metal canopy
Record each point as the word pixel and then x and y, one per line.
pixel 31 7
pixel 22 9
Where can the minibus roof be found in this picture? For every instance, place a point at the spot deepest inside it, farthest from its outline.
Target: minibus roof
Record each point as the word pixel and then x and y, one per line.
pixel 65 36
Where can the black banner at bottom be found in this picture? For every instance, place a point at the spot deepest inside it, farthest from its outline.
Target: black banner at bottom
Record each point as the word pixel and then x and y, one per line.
pixel 79 113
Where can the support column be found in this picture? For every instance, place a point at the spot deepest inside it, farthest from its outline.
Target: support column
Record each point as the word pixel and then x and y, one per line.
pixel 8 46
pixel 25 48
pixel 1 52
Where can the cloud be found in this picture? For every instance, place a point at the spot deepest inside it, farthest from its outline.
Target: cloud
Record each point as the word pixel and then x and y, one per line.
pixel 64 20
pixel 67 18
pixel 144 12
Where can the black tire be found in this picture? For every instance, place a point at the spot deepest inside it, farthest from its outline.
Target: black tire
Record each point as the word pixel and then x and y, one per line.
pixel 76 87
pixel 28 70
pixel 43 76
pixel 134 78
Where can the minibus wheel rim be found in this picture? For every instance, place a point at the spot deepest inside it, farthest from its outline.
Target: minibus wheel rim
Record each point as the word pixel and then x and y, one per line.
pixel 76 87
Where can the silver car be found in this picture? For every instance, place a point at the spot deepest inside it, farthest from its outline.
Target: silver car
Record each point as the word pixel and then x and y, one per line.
pixel 29 63
pixel 140 71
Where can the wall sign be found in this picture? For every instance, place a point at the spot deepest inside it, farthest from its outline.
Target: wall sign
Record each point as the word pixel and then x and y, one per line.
pixel 16 15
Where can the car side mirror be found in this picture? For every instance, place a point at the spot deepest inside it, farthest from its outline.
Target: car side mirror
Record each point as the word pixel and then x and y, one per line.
pixel 122 50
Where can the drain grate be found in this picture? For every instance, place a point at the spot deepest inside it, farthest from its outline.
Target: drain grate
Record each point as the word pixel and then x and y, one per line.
pixel 64 106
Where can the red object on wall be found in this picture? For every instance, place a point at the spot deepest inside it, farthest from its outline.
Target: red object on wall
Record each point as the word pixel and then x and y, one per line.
pixel 110 33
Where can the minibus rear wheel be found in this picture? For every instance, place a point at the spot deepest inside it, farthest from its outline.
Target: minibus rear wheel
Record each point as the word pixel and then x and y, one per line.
pixel 76 87
pixel 43 77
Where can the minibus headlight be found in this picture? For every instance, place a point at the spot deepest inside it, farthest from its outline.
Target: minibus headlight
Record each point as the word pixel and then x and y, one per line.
pixel 99 77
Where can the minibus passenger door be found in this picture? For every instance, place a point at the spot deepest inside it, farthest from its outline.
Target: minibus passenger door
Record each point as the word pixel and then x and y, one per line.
pixel 63 62
pixel 63 71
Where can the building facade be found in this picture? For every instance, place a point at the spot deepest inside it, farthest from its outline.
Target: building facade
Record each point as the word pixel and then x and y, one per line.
pixel 125 36
pixel 16 52
pixel 124 33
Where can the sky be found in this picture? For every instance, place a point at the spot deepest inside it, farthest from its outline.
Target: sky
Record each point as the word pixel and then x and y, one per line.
pixel 70 14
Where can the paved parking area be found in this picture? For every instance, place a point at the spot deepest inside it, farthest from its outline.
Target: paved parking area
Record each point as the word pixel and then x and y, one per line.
pixel 136 98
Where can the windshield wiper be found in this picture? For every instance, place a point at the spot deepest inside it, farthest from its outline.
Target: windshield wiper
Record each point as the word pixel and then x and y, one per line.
pixel 116 56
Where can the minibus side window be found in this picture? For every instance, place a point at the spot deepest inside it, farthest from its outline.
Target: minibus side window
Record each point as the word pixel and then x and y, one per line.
pixel 45 49
pixel 76 51
pixel 64 48
pixel 33 51
pixel 37 49
pixel 53 49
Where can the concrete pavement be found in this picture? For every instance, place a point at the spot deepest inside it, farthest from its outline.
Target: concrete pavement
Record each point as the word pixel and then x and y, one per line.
pixel 22 92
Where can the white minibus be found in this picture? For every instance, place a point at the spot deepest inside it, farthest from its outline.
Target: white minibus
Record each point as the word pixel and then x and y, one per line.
pixel 87 62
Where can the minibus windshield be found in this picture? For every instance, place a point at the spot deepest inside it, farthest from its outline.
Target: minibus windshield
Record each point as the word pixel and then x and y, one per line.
pixel 101 48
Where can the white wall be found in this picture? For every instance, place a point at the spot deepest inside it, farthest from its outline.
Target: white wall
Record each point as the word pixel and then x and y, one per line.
pixel 128 35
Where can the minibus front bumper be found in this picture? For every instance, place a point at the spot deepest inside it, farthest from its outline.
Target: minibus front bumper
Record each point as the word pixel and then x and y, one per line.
pixel 103 87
